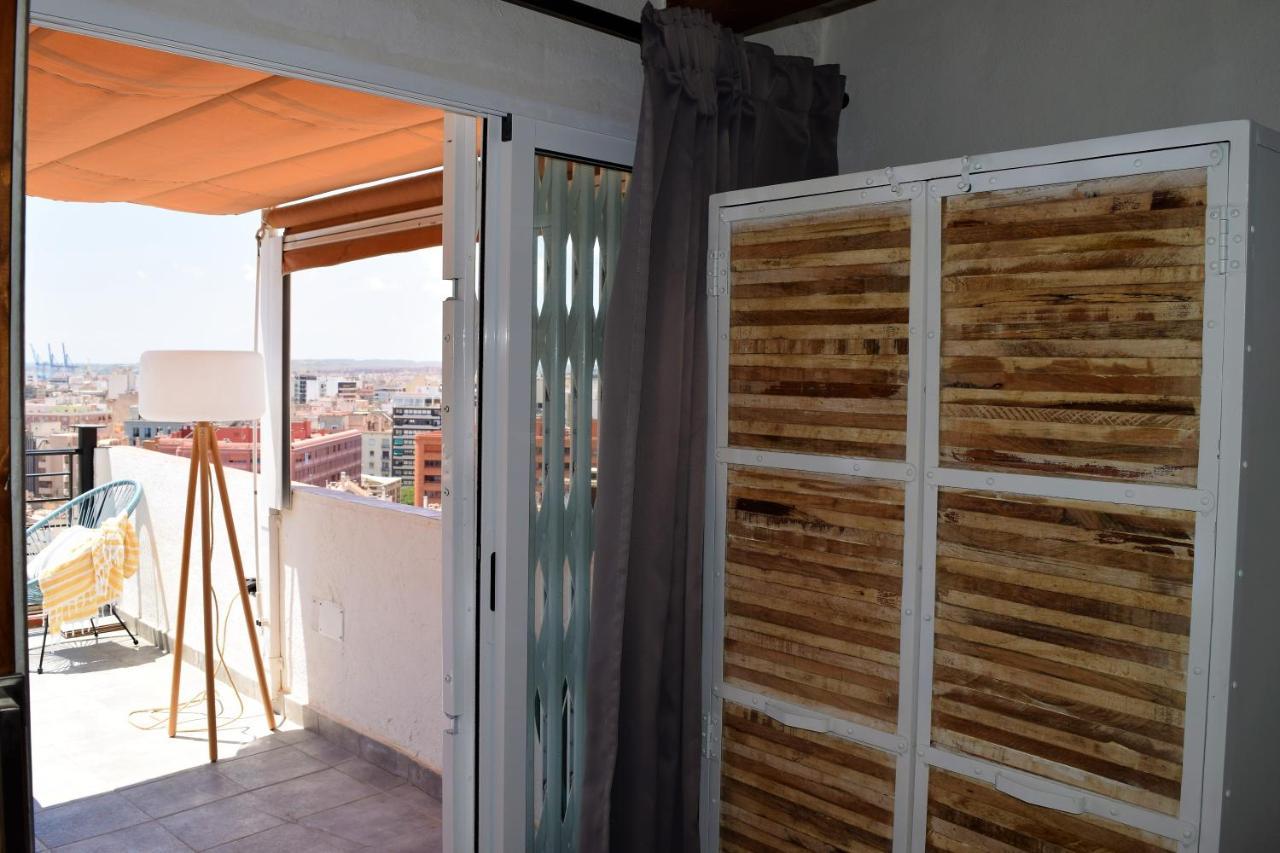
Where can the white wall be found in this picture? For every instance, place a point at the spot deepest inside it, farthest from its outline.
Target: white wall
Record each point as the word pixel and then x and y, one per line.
pixel 152 595
pixel 488 54
pixel 381 565
pixel 930 80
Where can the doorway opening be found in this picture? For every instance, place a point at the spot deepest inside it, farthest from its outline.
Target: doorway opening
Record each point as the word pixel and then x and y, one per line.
pixel 177 203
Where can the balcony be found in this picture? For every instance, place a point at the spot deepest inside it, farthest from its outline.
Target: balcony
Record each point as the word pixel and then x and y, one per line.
pixel 352 645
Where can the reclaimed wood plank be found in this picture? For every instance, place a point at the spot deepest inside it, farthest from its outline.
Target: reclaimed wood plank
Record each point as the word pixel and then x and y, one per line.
pixel 819 310
pixel 791 790
pixel 813 586
pixel 1085 300
pixel 1061 636
pixel 968 815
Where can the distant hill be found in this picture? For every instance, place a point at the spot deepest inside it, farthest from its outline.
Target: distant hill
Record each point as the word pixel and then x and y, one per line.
pixel 360 365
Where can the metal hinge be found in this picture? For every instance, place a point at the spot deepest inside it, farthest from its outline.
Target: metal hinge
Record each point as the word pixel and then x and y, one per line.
pixel 717 274
pixel 1221 238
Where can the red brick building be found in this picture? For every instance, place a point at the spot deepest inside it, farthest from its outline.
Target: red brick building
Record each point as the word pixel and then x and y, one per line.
pixel 318 458
pixel 428 456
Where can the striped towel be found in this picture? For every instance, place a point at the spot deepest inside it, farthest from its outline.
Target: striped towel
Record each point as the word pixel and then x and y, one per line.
pixel 90 571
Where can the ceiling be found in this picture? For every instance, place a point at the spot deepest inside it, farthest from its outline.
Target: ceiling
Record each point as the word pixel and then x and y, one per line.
pixel 113 122
pixel 753 16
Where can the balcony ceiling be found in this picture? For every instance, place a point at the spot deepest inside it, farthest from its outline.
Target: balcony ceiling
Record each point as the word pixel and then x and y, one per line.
pixel 112 122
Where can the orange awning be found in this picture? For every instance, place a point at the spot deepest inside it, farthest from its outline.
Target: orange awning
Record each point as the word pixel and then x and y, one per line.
pixel 112 122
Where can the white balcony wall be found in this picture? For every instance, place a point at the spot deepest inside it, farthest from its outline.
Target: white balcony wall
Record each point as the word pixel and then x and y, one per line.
pixel 378 564
pixel 151 596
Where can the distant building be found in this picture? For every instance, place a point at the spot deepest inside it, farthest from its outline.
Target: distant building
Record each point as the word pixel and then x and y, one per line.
pixel 332 386
pixel 375 454
pixel 63 417
pixel 379 488
pixel 120 383
pixel 321 459
pixel 410 415
pixel 49 477
pixel 306 387
pixel 137 429
pixel 317 459
pixel 428 460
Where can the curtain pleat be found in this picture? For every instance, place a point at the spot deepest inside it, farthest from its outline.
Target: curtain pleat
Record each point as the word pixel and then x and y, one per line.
pixel 717 114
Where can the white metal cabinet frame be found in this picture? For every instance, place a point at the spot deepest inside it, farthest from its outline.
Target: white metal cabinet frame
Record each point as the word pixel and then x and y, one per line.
pixel 1224 150
pixel 1199 500
pixel 721 456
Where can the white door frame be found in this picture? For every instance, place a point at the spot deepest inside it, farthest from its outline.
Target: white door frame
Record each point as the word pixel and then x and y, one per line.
pixel 507 468
pixel 458 476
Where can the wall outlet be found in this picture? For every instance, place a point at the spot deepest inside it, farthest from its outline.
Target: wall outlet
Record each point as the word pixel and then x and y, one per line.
pixel 329 619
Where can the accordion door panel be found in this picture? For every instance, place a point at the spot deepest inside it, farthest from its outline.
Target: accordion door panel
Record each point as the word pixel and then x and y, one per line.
pixel 1071 328
pixel 786 789
pixel 813 585
pixel 968 816
pixel 1061 637
pixel 818 332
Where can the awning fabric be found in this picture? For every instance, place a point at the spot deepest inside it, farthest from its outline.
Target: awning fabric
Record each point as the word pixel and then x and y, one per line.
pixel 113 122
pixel 397 216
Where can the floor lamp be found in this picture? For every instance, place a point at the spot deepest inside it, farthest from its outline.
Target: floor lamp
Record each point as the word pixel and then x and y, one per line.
pixel 200 387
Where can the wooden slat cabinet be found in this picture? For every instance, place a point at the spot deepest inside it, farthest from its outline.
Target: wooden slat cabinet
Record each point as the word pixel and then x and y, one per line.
pixel 989 526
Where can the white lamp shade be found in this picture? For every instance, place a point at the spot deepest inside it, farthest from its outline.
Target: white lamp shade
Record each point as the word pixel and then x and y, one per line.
pixel 201 385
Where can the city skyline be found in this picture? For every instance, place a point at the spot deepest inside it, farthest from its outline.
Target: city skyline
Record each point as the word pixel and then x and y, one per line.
pixel 113 280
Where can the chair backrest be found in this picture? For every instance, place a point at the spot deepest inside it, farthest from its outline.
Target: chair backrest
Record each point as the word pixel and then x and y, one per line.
pixel 87 510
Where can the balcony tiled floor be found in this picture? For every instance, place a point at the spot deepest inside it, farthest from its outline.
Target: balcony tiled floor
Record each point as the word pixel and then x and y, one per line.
pixel 102 783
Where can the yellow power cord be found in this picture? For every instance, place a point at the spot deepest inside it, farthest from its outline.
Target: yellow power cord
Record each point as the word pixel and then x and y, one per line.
pixel 159 717
pixel 194 707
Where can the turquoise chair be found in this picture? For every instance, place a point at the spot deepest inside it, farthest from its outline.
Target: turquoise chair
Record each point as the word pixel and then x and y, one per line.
pixel 87 510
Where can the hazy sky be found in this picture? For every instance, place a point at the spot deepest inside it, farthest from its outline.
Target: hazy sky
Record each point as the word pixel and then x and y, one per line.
pixel 113 280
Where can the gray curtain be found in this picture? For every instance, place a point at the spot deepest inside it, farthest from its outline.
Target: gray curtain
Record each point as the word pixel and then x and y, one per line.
pixel 717 114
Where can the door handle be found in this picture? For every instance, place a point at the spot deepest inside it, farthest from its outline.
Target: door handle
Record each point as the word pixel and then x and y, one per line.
pixel 1056 800
pixel 795 719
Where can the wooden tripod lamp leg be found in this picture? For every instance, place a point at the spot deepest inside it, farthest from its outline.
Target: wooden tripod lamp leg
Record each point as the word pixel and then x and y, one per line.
pixel 206 539
pixel 244 590
pixel 182 586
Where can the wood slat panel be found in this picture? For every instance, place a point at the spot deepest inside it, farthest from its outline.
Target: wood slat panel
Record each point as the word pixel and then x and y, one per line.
pixel 784 789
pixel 1071 321
pixel 966 816
pixel 1060 643
pixel 813 587
pixel 818 327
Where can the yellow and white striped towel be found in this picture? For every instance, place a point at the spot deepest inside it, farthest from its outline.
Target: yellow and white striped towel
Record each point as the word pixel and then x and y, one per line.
pixel 90 572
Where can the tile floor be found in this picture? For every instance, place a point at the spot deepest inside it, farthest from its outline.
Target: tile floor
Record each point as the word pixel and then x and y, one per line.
pixel 102 783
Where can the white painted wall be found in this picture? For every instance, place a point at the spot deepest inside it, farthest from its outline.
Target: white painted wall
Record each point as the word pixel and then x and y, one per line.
pixel 930 80
pixel 380 564
pixel 484 53
pixel 151 596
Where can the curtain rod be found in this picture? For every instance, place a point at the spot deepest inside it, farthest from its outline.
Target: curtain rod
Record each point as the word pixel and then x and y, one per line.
pixel 595 19
pixel 585 16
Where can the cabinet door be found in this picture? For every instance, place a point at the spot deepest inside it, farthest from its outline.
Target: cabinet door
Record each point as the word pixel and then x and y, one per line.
pixel 817 308
pixel 1071 432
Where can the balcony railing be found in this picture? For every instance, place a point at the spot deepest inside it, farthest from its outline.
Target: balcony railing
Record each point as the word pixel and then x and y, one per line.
pixel 79 472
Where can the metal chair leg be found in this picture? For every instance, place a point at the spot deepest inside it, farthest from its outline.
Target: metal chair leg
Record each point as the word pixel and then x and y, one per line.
pixel 122 625
pixel 43 640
